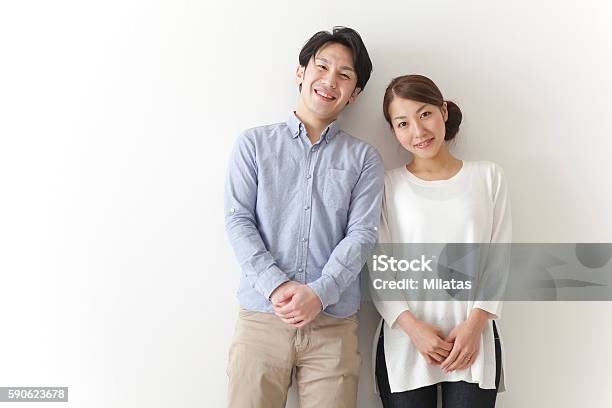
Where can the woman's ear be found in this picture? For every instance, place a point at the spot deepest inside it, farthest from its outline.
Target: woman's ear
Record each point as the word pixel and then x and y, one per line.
pixel 444 110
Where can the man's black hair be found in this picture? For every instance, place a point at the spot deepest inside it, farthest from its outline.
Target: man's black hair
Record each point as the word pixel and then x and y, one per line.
pixel 347 37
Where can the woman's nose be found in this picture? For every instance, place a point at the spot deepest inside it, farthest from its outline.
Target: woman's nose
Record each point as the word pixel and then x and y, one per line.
pixel 419 131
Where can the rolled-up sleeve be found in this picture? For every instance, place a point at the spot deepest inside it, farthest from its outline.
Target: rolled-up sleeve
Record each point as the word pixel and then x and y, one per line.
pixel 348 257
pixel 260 267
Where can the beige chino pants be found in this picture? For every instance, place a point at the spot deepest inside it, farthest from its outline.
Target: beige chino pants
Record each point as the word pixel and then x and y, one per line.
pixel 265 352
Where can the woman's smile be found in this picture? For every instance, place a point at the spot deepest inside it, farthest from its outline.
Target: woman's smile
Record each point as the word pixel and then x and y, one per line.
pixel 425 144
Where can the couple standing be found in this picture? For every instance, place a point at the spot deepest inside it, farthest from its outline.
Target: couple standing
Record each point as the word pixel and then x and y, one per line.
pixel 303 204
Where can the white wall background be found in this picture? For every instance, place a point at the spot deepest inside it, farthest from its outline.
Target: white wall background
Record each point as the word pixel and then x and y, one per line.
pixel 116 121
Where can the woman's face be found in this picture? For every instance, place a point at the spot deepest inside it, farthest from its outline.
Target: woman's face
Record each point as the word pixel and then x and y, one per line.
pixel 418 126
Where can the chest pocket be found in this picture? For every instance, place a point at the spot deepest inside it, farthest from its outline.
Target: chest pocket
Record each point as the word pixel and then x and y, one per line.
pixel 338 187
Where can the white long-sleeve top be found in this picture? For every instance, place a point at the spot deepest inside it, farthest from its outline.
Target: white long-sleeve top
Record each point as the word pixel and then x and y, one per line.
pixel 470 207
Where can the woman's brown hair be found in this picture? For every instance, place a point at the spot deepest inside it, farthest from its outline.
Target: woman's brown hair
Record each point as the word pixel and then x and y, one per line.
pixel 422 89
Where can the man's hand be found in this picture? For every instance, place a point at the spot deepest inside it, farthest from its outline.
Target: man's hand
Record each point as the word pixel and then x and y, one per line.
pixel 298 306
pixel 283 293
pixel 466 339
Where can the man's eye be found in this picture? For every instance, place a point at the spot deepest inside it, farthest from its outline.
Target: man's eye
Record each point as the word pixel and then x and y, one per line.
pixel 322 66
pixel 425 114
pixel 401 125
pixel 345 76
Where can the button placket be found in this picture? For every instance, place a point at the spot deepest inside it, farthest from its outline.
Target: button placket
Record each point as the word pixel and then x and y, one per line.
pixel 306 217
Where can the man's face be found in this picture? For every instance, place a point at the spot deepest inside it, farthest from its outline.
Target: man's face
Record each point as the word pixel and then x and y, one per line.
pixel 328 81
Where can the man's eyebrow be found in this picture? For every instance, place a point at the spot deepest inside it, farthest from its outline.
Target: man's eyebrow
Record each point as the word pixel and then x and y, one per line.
pixel 417 111
pixel 343 67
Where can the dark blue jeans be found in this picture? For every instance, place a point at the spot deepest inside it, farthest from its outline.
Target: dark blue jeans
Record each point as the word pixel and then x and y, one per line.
pixel 459 394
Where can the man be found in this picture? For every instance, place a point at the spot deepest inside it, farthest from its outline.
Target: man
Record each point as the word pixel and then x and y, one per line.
pixel 302 203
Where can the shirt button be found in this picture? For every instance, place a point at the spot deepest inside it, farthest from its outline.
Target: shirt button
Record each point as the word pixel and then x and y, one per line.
pixel 314 149
pixel 300 269
pixel 308 176
pixel 306 208
pixel 304 239
pixel 232 210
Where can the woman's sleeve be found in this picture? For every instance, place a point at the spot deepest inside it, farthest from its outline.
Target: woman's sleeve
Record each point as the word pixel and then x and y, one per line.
pixel 388 309
pixel 495 275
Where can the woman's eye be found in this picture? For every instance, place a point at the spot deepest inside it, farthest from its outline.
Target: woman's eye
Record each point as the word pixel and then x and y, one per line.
pixel 425 114
pixel 401 125
pixel 345 76
pixel 322 66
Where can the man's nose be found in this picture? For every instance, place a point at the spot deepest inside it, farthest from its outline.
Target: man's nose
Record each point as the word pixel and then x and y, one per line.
pixel 330 79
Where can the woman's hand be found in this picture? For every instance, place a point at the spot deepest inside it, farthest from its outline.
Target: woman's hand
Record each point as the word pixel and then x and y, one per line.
pixel 466 339
pixel 427 338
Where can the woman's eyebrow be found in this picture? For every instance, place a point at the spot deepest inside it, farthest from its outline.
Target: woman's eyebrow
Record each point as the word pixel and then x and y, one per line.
pixel 421 108
pixel 417 111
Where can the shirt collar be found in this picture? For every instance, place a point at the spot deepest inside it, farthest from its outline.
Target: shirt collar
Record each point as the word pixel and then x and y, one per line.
pixel 296 126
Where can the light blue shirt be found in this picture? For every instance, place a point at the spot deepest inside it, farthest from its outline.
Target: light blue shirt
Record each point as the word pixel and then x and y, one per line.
pixel 302 212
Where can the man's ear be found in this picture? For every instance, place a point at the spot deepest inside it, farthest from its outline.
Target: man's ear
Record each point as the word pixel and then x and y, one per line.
pixel 299 75
pixel 354 96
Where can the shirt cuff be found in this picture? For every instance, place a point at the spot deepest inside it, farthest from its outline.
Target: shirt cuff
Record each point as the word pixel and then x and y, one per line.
pixel 493 307
pixel 327 291
pixel 390 310
pixel 269 280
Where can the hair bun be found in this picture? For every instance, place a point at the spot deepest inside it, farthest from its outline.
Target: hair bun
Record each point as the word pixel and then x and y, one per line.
pixel 454 120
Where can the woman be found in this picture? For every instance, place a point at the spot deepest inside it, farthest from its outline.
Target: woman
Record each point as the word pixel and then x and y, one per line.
pixel 438 198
